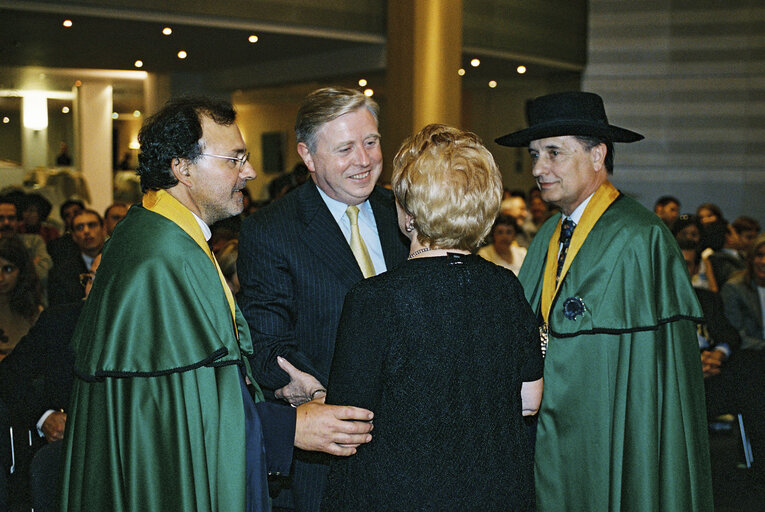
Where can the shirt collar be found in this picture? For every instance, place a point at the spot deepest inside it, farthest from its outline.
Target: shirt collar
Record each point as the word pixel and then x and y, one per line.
pixel 202 224
pixel 576 215
pixel 337 208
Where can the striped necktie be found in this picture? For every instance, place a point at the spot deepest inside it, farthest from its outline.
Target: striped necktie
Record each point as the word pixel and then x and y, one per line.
pixel 566 230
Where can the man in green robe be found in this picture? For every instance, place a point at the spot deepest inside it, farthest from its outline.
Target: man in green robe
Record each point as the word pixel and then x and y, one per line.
pixel 622 425
pixel 164 413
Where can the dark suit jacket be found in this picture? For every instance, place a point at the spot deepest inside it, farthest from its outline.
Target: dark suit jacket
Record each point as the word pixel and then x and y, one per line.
pixel 64 281
pixel 37 375
pixel 295 267
pixel 743 309
pixel 719 328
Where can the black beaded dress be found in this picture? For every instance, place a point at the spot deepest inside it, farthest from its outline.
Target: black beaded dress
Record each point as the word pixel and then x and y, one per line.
pixel 438 349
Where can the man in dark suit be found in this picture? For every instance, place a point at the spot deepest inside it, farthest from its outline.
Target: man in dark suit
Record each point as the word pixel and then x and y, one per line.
pixel 299 256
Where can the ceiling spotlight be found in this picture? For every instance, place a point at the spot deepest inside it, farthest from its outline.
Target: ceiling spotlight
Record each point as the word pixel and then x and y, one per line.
pixel 6 120
pixel 461 71
pixel 138 63
pixel 77 83
pixel 369 93
pixel 67 23
pixel 362 82
pixel 253 38
pixel 475 63
pixel 492 83
pixel 521 69
pixel 136 113
pixel 64 110
pixel 115 115
pixel 167 31
pixel 182 54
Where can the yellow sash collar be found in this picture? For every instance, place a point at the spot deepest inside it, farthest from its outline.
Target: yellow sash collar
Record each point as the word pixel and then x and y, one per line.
pixel 601 200
pixel 161 202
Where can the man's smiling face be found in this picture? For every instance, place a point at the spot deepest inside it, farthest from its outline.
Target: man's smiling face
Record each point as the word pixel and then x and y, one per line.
pixel 347 160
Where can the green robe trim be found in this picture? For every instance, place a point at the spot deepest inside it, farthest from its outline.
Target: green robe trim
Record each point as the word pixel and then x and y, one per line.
pixel 156 420
pixel 622 425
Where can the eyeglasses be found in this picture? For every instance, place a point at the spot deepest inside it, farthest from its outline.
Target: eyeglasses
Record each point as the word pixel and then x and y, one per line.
pixel 240 161
pixel 86 278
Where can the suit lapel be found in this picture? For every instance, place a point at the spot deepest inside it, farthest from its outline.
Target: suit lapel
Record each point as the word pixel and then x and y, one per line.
pixel 392 242
pixel 323 237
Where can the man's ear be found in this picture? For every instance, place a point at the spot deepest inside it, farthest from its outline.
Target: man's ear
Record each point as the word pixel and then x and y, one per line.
pixel 180 168
pixel 598 156
pixel 305 154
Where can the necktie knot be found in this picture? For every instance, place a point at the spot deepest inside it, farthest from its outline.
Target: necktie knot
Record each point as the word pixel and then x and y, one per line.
pixel 353 214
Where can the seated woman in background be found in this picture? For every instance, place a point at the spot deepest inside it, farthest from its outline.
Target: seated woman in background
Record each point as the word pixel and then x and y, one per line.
pixel 444 349
pixel 20 301
pixel 501 251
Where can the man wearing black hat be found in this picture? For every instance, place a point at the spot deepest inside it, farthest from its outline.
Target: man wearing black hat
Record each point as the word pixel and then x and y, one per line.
pixel 622 424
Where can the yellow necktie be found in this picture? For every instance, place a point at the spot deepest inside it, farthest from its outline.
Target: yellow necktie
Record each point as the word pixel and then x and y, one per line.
pixel 358 246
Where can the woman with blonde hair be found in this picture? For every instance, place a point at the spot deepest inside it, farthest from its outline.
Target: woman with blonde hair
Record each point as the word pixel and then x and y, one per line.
pixel 444 349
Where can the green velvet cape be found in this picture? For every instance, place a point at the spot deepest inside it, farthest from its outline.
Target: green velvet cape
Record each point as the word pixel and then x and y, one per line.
pixel 156 421
pixel 622 425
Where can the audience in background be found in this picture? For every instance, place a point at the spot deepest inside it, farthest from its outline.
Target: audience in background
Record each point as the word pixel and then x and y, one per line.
pixel 502 251
pixel 34 244
pixel 64 247
pixel 668 209
pixel 708 213
pixel 34 214
pixel 113 214
pixel 515 208
pixel 226 256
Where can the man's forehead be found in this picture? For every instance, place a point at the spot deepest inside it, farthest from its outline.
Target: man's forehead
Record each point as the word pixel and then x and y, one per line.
pixel 214 134
pixel 85 218
pixel 8 208
pixel 350 126
pixel 560 141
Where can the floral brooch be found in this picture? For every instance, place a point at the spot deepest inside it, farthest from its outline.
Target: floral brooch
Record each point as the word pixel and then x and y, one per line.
pixel 573 307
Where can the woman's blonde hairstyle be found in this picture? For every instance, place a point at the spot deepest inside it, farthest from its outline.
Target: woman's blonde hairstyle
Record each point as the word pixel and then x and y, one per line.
pixel 449 183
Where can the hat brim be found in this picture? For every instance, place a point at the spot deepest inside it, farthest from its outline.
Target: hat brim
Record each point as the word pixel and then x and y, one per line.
pixel 559 128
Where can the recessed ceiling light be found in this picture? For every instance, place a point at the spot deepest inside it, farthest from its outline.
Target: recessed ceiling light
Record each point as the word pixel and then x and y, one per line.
pixel 6 120
pixel 182 54
pixel 475 63
pixel 369 93
pixel 67 23
pixel 167 31
pixel 461 71
pixel 253 38
pixel 115 115
pixel 64 110
pixel 77 83
pixel 138 63
pixel 136 113
pixel 362 82
pixel 492 83
pixel 521 69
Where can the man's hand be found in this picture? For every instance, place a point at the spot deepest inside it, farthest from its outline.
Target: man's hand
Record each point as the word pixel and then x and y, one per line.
pixel 53 426
pixel 711 360
pixel 303 387
pixel 334 429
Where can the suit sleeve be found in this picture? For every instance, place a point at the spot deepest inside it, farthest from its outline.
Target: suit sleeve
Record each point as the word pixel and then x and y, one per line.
pixel 267 302
pixel 736 310
pixel 278 422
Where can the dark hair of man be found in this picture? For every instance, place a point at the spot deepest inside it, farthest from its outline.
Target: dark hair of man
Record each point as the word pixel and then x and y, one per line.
pixel 745 223
pixel 69 202
pixel 25 297
pixel 518 193
pixel 713 234
pixel 665 200
pixel 88 212
pixel 36 200
pixel 684 221
pixel 591 142
pixel 113 205
pixel 175 132
pixel 10 200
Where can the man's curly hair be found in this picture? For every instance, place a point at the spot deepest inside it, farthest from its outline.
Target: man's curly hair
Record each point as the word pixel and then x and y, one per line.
pixel 175 132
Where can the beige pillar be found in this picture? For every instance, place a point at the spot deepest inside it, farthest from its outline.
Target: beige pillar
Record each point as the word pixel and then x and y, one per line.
pixel 424 52
pixel 34 140
pixel 94 119
pixel 156 91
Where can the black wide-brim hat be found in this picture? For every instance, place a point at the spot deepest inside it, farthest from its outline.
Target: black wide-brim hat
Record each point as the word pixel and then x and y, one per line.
pixel 567 113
